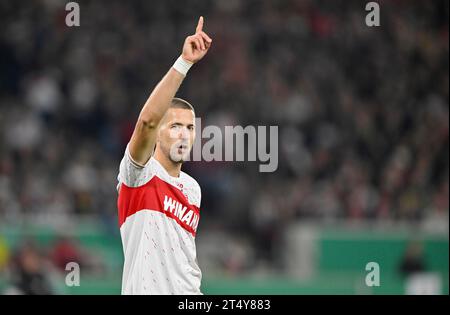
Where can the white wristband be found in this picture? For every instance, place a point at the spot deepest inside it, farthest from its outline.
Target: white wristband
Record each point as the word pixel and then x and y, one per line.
pixel 182 66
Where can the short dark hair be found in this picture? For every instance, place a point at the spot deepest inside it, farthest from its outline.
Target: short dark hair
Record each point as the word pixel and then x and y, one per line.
pixel 180 103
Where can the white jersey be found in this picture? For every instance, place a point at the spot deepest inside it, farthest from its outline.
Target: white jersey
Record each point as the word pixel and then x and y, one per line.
pixel 158 219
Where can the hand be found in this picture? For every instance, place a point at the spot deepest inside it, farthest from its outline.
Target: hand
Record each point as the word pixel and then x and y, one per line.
pixel 196 46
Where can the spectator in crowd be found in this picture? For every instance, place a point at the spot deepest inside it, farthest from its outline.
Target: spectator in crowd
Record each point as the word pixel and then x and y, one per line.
pixel 413 260
pixel 29 274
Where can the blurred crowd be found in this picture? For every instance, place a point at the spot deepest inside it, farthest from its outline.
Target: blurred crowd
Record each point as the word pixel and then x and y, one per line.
pixel 362 111
pixel 32 269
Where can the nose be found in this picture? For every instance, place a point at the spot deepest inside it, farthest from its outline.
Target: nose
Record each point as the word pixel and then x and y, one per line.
pixel 184 133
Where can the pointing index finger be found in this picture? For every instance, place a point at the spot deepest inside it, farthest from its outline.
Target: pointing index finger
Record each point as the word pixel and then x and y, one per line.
pixel 199 25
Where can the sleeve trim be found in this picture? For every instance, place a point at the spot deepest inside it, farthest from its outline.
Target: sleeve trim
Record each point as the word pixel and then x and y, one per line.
pixel 133 162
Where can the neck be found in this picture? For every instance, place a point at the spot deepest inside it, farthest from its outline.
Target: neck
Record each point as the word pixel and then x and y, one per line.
pixel 171 167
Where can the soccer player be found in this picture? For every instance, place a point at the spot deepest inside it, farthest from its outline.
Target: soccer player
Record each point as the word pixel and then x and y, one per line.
pixel 158 204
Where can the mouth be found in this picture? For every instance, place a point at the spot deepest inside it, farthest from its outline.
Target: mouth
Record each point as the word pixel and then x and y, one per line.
pixel 182 147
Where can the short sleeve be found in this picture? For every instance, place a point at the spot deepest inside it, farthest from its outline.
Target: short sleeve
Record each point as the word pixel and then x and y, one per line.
pixel 132 173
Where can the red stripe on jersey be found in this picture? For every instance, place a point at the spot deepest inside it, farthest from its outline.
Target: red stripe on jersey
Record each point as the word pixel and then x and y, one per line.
pixel 151 196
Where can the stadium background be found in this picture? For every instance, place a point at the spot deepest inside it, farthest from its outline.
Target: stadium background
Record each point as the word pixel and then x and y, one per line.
pixel 363 151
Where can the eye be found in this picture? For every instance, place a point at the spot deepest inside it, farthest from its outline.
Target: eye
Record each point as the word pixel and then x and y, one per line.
pixel 191 127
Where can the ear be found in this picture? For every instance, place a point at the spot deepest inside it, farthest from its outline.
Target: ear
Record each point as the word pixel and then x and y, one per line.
pixel 161 126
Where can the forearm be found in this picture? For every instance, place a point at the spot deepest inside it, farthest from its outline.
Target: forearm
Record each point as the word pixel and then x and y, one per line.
pixel 160 99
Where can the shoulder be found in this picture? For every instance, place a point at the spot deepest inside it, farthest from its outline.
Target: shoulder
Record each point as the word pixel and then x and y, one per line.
pixel 191 181
pixel 133 174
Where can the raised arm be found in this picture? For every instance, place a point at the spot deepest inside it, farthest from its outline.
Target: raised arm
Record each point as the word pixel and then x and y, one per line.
pixel 144 136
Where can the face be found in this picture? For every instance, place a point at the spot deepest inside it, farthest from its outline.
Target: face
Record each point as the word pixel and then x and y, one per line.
pixel 176 134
